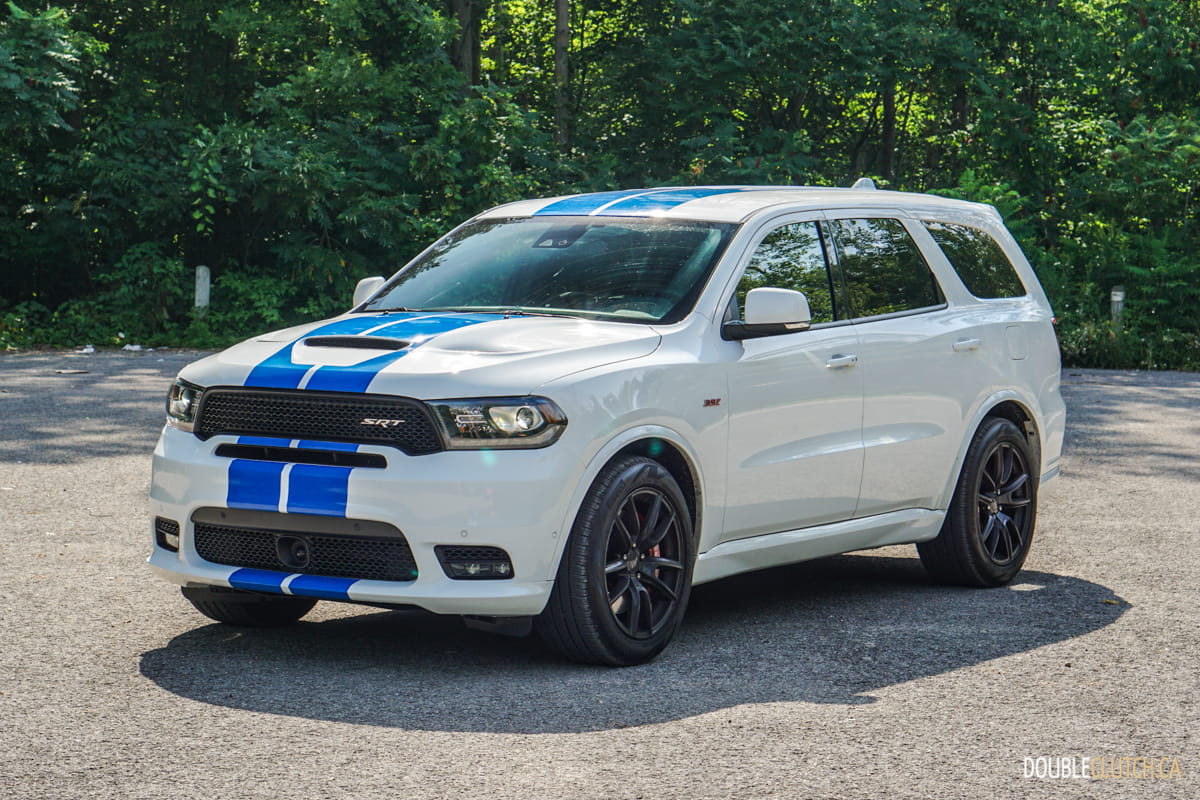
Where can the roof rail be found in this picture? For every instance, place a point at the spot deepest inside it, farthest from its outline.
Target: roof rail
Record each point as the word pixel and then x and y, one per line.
pixel 865 184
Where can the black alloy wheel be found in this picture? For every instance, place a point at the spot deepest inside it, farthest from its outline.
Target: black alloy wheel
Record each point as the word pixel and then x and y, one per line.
pixel 1004 503
pixel 642 570
pixel 988 528
pixel 625 577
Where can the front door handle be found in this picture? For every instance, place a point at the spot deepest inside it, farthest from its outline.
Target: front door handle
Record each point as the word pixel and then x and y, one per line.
pixel 841 362
pixel 965 345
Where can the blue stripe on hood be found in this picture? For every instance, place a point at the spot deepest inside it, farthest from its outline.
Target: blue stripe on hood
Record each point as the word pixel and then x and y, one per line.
pixel 279 370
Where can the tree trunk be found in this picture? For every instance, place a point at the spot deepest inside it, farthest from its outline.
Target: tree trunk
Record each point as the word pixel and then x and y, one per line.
pixel 464 50
pixel 887 157
pixel 562 38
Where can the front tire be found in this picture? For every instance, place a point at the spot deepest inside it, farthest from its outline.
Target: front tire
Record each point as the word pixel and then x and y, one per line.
pixel 248 609
pixel 625 578
pixel 989 525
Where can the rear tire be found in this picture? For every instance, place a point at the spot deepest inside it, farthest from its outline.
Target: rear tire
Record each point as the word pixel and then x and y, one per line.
pixel 248 609
pixel 625 578
pixel 989 525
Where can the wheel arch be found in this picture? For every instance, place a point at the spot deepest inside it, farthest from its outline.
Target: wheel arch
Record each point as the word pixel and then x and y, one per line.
pixel 1005 405
pixel 658 443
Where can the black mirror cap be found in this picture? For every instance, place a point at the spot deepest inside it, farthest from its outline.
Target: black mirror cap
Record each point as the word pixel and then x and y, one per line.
pixel 737 330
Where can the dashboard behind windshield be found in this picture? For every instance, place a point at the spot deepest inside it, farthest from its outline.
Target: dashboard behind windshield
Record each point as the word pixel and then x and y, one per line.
pixel 621 268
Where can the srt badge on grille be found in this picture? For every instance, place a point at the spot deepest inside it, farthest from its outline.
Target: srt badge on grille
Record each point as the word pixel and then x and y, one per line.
pixel 382 423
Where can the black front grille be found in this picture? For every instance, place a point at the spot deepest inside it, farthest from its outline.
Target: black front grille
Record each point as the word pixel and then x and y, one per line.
pixel 365 558
pixel 328 416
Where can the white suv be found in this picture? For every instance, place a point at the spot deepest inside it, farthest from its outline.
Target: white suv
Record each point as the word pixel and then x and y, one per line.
pixel 566 412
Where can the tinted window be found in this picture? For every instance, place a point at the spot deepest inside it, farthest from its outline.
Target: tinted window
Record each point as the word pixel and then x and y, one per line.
pixel 791 257
pixel 884 270
pixel 978 258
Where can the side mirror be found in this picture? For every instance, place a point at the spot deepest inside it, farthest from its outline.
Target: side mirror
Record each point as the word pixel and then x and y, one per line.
pixel 365 288
pixel 770 312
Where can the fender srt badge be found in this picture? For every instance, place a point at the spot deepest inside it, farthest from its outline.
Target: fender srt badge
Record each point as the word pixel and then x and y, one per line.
pixel 712 402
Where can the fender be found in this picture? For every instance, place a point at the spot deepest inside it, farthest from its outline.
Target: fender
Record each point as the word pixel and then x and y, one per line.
pixel 982 409
pixel 606 453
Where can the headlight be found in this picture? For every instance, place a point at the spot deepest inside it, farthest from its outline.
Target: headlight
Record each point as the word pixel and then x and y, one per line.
pixel 481 423
pixel 182 401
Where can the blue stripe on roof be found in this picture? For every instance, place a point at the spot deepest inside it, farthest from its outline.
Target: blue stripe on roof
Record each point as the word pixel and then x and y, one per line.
pixel 254 484
pixel 258 580
pixel 318 489
pixel 665 200
pixel 321 586
pixel 584 203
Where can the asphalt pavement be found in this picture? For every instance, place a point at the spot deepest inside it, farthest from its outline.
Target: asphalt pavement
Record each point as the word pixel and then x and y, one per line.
pixel 850 677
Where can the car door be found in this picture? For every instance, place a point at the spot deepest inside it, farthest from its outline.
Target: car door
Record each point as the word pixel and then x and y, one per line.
pixel 918 360
pixel 795 400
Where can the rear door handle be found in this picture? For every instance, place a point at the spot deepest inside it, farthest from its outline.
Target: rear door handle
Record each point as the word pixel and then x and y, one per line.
pixel 965 345
pixel 841 362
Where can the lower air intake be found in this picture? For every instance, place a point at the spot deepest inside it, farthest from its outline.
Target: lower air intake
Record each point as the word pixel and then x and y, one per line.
pixel 306 553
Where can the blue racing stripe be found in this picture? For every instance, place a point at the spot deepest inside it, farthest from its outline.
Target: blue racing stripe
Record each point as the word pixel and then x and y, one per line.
pixel 318 489
pixel 344 447
pixel 278 371
pixel 584 203
pixel 258 580
pixel 264 441
pixel 357 377
pixel 254 484
pixel 666 200
pixel 321 586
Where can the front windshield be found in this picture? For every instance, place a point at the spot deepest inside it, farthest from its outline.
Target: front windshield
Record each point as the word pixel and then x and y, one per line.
pixel 620 268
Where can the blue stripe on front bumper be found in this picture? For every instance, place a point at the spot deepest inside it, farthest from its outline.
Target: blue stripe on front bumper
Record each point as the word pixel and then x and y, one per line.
pixel 321 586
pixel 258 580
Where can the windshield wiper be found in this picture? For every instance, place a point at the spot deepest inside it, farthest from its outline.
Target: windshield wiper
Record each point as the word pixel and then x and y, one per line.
pixel 520 312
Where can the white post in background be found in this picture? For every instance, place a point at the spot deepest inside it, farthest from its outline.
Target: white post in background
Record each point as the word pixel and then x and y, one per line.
pixel 203 289
pixel 1118 307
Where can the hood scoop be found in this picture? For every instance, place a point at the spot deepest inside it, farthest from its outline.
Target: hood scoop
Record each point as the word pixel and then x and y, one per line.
pixel 357 342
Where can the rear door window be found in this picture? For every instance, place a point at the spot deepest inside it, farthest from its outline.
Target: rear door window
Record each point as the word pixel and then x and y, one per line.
pixel 978 258
pixel 883 267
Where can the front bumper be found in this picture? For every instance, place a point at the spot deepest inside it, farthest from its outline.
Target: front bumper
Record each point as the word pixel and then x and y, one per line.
pixel 517 500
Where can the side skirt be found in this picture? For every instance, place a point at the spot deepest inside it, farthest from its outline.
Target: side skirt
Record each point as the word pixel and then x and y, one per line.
pixel 772 550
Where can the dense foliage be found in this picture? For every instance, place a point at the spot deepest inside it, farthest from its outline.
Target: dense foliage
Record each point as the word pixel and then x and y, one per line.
pixel 296 147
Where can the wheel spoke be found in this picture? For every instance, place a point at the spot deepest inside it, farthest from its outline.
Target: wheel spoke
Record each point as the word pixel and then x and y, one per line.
pixel 650 579
pixel 659 532
pixel 645 607
pixel 635 607
pixel 649 523
pixel 1006 494
pixel 621 530
pixel 989 533
pixel 1013 533
pixel 621 588
pixel 614 567
pixel 661 563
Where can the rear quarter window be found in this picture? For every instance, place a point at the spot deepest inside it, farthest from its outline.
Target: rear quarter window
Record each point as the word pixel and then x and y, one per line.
pixel 978 258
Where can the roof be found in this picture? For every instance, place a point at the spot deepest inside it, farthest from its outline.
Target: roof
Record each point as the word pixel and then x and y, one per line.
pixel 723 203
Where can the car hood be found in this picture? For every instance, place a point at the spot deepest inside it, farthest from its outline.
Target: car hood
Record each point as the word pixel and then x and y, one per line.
pixel 425 355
